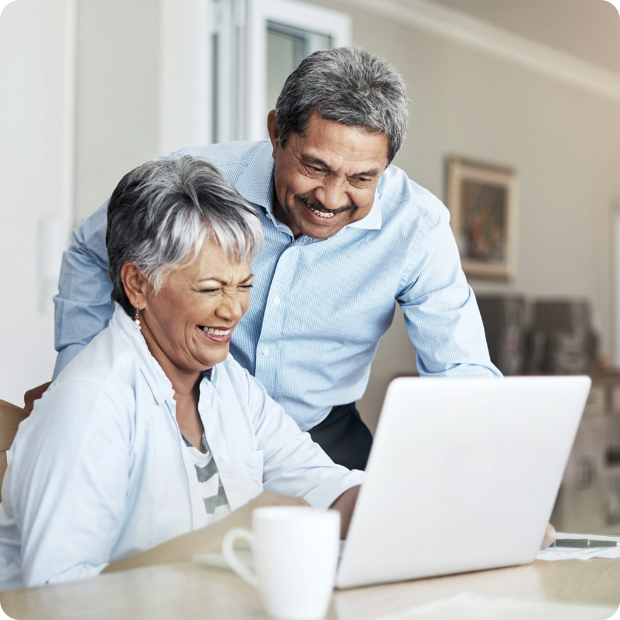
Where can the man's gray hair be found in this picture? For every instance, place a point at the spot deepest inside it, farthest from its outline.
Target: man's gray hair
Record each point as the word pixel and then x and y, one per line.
pixel 161 213
pixel 350 86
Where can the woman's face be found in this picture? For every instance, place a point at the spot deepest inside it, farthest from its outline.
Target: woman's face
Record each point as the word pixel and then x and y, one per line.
pixel 191 320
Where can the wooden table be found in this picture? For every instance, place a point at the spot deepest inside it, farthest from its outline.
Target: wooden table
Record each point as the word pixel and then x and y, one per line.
pixel 188 591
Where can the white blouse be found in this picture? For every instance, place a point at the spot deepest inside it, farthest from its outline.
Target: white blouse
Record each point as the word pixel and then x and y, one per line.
pixel 100 471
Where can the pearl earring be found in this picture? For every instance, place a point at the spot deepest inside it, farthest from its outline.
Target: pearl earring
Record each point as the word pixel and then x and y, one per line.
pixel 136 320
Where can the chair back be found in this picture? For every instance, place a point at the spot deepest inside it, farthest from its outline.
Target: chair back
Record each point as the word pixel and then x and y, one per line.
pixel 10 417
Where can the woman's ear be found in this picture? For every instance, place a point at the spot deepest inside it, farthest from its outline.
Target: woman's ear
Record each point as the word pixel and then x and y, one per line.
pixel 135 284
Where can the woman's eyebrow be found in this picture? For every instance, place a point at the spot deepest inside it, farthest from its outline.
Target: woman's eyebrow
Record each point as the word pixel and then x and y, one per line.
pixel 224 282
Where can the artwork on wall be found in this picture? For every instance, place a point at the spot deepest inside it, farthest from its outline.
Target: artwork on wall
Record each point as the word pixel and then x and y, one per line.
pixel 482 199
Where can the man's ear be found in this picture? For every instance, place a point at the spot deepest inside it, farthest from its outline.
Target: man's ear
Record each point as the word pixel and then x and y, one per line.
pixel 136 285
pixel 274 132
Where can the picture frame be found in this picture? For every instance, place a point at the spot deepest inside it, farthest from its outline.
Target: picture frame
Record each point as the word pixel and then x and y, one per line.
pixel 482 200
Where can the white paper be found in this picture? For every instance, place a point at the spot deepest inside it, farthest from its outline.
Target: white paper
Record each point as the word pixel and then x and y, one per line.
pixel 569 553
pixel 467 606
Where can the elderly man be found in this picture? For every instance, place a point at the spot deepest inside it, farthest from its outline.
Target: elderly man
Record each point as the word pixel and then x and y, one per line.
pixel 346 235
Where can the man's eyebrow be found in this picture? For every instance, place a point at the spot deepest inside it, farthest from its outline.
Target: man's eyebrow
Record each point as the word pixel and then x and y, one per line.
pixel 316 161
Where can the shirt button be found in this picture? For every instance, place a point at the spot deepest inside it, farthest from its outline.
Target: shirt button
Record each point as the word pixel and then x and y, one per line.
pixel 268 215
pixel 276 301
pixel 224 458
pixel 266 351
pixel 159 395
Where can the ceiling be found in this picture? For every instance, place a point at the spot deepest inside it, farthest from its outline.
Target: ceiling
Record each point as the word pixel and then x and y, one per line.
pixel 587 29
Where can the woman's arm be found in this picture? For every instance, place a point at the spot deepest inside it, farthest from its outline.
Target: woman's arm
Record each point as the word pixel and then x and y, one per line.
pixel 67 480
pixel 345 505
pixel 205 540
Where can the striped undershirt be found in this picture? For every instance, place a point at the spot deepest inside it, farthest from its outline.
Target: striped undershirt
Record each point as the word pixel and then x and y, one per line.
pixel 213 494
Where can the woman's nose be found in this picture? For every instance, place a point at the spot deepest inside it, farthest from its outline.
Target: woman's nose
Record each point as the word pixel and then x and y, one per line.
pixel 230 308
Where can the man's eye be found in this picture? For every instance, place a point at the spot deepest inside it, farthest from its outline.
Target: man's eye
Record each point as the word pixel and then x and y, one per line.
pixel 209 290
pixel 246 287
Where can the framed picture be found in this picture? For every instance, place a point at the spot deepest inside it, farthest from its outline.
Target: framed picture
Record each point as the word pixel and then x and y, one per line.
pixel 482 199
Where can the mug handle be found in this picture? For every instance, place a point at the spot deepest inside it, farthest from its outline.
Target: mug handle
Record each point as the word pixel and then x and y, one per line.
pixel 233 560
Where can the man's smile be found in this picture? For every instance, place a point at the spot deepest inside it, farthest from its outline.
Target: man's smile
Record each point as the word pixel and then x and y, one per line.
pixel 318 209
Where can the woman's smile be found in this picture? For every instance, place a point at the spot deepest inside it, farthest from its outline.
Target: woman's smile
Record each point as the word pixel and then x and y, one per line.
pixel 216 334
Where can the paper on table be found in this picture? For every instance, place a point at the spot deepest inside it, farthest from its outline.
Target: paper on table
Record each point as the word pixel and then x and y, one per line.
pixel 569 553
pixel 467 606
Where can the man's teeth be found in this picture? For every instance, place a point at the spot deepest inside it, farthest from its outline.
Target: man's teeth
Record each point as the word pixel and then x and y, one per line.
pixel 321 214
pixel 216 332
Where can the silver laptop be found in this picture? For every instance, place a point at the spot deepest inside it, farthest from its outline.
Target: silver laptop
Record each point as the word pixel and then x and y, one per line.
pixel 462 476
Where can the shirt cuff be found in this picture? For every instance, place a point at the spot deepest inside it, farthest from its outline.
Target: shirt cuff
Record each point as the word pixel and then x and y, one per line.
pixel 328 491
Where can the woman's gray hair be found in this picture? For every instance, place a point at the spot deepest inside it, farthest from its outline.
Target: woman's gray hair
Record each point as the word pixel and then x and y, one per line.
pixel 161 213
pixel 350 86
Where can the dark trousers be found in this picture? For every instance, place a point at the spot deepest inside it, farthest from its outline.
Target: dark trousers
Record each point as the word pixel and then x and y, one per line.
pixel 344 437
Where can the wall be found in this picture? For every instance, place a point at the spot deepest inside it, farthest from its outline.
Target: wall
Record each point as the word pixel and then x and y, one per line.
pixel 36 66
pixel 565 144
pixel 118 94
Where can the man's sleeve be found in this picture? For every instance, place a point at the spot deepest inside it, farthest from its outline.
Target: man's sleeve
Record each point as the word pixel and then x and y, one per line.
pixel 441 313
pixel 292 463
pixel 82 307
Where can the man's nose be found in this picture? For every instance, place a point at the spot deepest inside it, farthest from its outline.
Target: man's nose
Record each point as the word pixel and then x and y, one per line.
pixel 332 194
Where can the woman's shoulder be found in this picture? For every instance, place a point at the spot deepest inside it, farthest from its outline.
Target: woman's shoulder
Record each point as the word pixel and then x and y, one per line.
pixel 108 364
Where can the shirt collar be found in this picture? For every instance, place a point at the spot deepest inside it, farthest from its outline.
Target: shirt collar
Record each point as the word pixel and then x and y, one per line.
pixel 255 184
pixel 153 373
pixel 156 378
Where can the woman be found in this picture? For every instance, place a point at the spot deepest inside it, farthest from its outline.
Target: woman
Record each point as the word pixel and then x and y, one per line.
pixel 153 431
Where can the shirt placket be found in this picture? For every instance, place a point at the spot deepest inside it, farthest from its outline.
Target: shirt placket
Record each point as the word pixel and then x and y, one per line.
pixel 268 350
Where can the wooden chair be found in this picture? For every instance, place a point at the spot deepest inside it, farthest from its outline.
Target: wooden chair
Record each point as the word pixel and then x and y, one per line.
pixel 10 417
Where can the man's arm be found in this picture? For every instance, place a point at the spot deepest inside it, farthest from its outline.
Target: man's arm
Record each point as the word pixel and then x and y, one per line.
pixel 82 307
pixel 441 313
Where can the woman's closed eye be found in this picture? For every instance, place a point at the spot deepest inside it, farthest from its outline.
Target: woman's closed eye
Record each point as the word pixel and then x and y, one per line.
pixel 242 287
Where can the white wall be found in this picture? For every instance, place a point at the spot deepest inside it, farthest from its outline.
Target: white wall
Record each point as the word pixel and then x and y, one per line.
pixel 118 94
pixel 36 76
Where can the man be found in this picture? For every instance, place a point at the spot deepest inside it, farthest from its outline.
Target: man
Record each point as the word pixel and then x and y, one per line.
pixel 346 235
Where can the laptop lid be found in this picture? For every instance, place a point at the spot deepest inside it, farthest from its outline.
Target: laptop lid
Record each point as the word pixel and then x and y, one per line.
pixel 463 475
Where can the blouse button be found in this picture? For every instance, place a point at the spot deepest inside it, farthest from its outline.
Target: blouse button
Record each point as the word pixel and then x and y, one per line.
pixel 224 458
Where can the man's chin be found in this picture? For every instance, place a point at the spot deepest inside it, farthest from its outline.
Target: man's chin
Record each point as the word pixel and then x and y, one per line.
pixel 317 227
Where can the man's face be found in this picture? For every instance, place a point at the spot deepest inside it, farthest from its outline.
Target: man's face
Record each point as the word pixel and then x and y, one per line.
pixel 327 178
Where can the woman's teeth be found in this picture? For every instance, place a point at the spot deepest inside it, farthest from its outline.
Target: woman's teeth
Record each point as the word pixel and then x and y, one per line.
pixel 321 214
pixel 216 332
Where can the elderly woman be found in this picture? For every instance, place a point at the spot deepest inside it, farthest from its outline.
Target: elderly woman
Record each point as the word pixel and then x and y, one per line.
pixel 153 431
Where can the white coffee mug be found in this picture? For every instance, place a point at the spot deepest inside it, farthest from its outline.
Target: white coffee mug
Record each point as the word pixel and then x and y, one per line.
pixel 295 553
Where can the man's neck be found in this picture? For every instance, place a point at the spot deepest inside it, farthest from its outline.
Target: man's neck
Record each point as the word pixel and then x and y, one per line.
pixel 281 216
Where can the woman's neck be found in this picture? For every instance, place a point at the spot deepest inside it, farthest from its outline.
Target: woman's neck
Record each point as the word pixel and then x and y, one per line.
pixel 186 386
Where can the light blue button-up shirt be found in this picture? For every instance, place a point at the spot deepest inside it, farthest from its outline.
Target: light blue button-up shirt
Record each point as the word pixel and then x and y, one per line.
pixel 318 307
pixel 100 471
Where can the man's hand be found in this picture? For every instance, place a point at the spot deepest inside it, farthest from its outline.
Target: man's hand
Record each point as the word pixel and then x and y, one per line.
pixel 34 394
pixel 549 537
